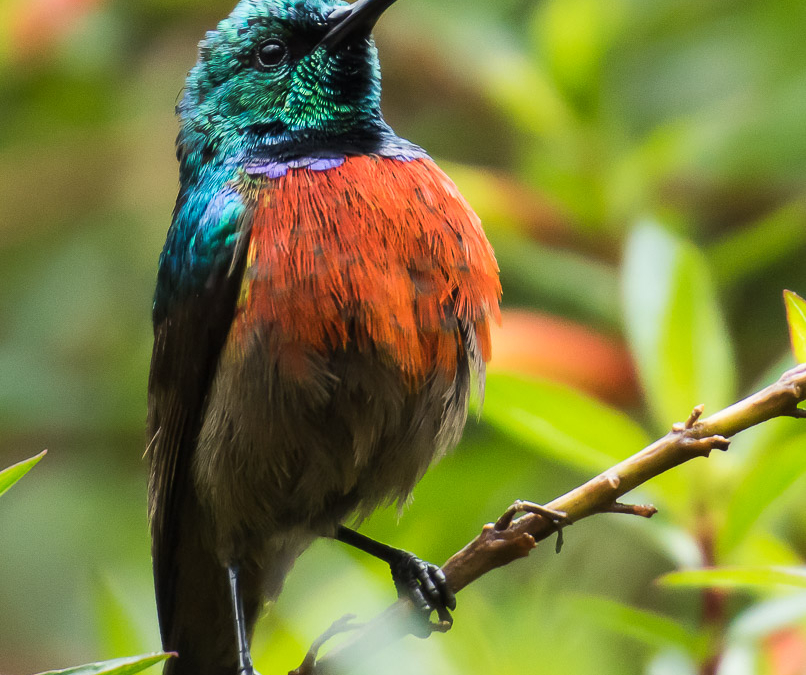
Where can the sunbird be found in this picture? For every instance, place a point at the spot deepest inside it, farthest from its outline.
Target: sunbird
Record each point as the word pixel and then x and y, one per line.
pixel 324 295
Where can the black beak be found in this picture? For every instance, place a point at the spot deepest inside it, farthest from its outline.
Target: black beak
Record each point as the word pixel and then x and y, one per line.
pixel 354 21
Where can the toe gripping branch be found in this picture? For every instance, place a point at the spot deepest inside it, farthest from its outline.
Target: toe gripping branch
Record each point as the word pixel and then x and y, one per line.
pixel 422 582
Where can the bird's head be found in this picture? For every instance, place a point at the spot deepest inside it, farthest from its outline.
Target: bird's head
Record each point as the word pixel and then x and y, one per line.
pixel 282 74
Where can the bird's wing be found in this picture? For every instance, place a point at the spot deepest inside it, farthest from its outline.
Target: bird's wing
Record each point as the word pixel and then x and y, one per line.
pixel 200 274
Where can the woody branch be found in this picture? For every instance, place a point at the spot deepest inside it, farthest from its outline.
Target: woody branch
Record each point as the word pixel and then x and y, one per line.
pixel 511 538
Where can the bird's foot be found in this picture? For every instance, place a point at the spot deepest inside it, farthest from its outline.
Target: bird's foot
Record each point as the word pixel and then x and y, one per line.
pixel 424 584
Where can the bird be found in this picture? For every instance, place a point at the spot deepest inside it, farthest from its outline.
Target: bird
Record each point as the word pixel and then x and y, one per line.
pixel 321 316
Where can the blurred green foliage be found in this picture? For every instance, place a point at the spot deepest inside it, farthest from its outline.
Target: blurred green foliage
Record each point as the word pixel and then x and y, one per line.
pixel 123 666
pixel 796 318
pixel 641 170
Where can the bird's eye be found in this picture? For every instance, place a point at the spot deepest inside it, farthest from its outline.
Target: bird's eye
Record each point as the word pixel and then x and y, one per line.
pixel 271 53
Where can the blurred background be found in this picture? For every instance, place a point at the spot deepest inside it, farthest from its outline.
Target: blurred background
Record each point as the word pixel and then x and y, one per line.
pixel 640 168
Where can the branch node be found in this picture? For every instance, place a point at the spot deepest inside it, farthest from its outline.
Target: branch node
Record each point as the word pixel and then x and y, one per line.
pixel 559 519
pixel 555 517
pixel 702 447
pixel 694 416
pixel 642 510
pixel 505 544
pixel 793 375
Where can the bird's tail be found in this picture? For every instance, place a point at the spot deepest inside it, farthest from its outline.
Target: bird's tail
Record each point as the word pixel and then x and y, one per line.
pixel 196 617
pixel 195 605
pixel 196 614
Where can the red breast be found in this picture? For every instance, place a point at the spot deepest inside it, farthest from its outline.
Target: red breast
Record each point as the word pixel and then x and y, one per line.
pixel 382 252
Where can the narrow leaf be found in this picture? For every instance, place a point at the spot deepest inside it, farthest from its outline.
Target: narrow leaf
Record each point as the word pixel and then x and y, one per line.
pixel 745 253
pixel 764 618
pixel 796 318
pixel 12 474
pixel 124 666
pixel 675 326
pixel 124 623
pixel 781 465
pixel 647 627
pixel 740 659
pixel 560 423
pixel 672 662
pixel 737 577
pixel 557 281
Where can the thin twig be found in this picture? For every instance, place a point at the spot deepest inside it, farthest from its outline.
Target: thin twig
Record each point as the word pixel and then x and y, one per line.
pixel 642 510
pixel 342 625
pixel 496 547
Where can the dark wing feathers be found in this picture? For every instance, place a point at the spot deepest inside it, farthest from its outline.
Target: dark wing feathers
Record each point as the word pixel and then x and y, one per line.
pixel 189 333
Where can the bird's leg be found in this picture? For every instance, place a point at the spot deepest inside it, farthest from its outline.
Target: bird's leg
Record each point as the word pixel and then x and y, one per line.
pixel 422 582
pixel 244 657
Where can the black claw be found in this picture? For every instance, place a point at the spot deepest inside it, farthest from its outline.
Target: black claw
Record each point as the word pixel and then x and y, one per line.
pixel 423 583
pixel 430 591
pixel 446 594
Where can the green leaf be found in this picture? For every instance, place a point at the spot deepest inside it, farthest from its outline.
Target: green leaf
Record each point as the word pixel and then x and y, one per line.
pixel 520 88
pixel 559 422
pixel 737 577
pixel 558 281
pixel 765 478
pixel 12 474
pixel 672 662
pixel 124 666
pixel 647 627
pixel 763 618
pixel 575 35
pixel 796 318
pixel 760 546
pixel 675 326
pixel 124 623
pixel 748 251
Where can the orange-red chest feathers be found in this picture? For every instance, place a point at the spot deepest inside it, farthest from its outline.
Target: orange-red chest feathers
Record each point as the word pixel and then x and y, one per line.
pixel 379 252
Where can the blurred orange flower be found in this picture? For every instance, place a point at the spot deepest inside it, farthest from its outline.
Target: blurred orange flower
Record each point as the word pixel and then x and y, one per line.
pixel 36 24
pixel 558 349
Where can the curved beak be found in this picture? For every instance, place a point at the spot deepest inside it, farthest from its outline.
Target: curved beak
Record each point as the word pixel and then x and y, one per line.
pixel 354 21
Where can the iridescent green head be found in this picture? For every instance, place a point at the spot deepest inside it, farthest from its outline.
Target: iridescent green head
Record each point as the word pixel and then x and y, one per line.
pixel 283 73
